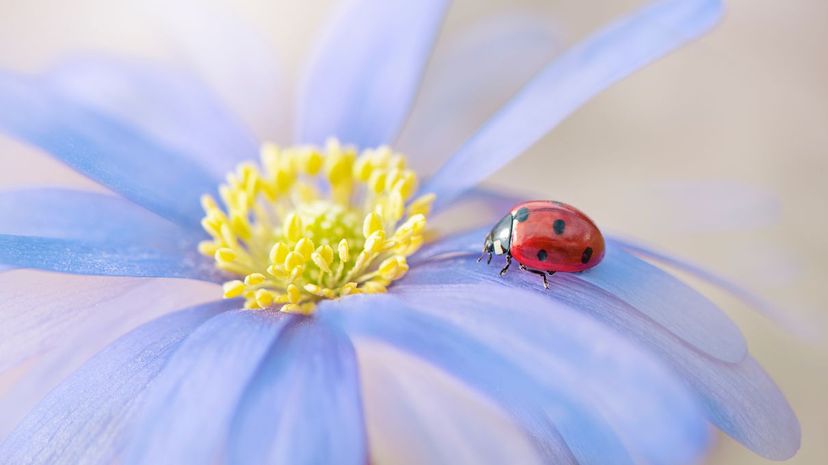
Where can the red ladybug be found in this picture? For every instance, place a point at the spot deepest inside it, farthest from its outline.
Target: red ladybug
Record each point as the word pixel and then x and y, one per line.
pixel 545 236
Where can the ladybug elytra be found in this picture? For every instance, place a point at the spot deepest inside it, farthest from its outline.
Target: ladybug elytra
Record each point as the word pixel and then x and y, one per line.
pixel 545 237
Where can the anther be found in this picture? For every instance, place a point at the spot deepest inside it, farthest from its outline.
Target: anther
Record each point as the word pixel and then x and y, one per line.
pixel 233 289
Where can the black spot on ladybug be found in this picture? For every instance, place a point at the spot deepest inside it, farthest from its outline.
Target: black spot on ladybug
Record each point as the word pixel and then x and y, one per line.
pixel 558 226
pixel 522 214
pixel 586 255
pixel 542 255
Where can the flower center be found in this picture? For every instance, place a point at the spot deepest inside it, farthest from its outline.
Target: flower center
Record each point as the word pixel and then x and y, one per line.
pixel 312 224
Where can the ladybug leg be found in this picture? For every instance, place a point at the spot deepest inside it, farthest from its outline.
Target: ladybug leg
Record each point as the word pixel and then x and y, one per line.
pixel 539 273
pixel 489 260
pixel 508 263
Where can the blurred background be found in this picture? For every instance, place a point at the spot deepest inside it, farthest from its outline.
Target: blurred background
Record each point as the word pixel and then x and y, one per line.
pixel 716 153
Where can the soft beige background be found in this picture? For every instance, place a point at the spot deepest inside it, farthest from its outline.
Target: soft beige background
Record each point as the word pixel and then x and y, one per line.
pixel 747 106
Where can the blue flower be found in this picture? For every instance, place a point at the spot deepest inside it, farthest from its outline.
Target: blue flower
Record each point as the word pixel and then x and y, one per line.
pixel 622 364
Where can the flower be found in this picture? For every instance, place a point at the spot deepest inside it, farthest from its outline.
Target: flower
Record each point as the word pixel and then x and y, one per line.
pixel 620 364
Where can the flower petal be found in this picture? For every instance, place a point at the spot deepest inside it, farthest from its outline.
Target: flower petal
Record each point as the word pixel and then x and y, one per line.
pixel 308 421
pixel 84 419
pixel 738 397
pixel 104 149
pixel 172 107
pixel 363 78
pixel 544 409
pixel 672 304
pixel 72 214
pixel 86 233
pixel 418 414
pixel 189 407
pixel 653 292
pixel 85 257
pixel 656 417
pixel 478 70
pixel 569 81
pixel 747 297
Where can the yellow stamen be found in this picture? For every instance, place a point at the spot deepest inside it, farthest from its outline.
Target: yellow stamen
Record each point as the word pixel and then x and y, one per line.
pixel 287 244
pixel 304 247
pixel 264 298
pixel 371 224
pixel 233 289
pixel 344 250
pixel 254 279
pixel 293 227
pixel 278 252
pixel 225 255
pixel 421 205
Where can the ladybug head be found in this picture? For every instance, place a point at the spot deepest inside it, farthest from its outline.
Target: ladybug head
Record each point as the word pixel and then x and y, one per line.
pixel 499 239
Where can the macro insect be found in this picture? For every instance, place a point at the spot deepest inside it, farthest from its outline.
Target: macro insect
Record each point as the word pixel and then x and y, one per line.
pixel 545 237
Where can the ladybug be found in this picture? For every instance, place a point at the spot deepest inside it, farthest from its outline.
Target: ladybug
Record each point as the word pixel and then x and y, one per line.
pixel 545 236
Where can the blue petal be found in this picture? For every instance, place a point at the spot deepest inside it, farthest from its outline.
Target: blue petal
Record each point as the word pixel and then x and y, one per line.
pixel 744 402
pixel 104 149
pixel 316 417
pixel 651 291
pixel 747 297
pixel 84 419
pixel 543 408
pixel 738 397
pixel 85 257
pixel 362 81
pixel 87 233
pixel 679 308
pixel 190 405
pixel 172 107
pixel 567 83
pixel 99 218
pixel 646 403
pixel 469 77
